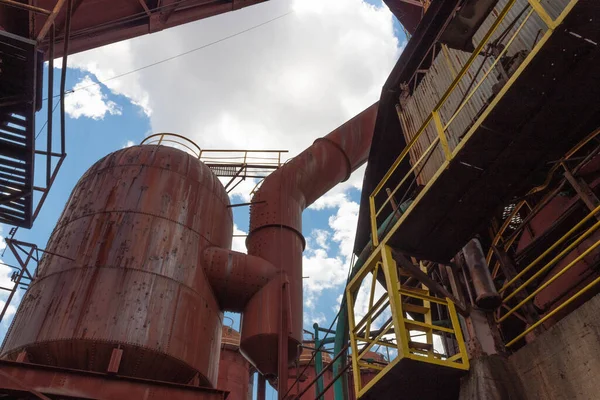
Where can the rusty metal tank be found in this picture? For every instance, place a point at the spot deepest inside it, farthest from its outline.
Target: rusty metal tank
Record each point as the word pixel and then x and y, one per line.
pixel 235 372
pixel 307 372
pixel 124 270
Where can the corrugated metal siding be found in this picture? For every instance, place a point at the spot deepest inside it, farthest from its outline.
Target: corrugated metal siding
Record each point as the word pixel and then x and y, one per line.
pixel 441 74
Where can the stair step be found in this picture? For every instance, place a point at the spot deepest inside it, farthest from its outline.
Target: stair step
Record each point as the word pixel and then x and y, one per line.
pixel 12 130
pixel 415 290
pixel 420 346
pixel 14 120
pixel 412 308
pixel 423 327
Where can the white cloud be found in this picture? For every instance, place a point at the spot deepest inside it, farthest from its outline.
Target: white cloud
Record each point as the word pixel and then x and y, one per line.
pixel 88 101
pixel 279 86
pixel 129 143
pixel 239 242
pixel 241 192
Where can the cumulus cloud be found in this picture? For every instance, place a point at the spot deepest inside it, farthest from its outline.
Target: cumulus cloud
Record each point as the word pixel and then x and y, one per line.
pixel 87 100
pixel 239 240
pixel 324 266
pixel 279 86
pixel 129 143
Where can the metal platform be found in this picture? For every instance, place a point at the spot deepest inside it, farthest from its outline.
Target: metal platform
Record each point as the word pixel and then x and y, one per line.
pixel 543 110
pixel 18 103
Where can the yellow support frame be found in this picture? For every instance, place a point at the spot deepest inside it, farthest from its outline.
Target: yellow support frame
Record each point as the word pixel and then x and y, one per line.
pixel 400 325
pixel 434 116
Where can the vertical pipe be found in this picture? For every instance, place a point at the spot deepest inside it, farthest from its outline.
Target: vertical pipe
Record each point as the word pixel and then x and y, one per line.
pixel 318 362
pixel 50 106
pixel 276 232
pixel 63 74
pixel 485 290
pixel 262 387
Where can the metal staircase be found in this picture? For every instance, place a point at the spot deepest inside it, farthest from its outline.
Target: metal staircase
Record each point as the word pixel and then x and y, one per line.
pixel 19 100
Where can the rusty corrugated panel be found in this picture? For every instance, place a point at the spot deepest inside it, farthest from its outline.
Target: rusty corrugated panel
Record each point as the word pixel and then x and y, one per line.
pixel 60 383
pixel 130 273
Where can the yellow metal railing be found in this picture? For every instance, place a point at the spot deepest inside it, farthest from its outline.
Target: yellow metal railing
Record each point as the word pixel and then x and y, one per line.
pixel 441 126
pixel 505 237
pixel 525 284
pixel 390 322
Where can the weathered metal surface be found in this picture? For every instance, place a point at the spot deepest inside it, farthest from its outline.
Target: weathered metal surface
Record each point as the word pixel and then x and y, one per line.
pixel 306 372
pixel 487 295
pixel 20 379
pixel 130 271
pixel 551 219
pixel 276 232
pixel 235 277
pixel 235 372
pixel 98 23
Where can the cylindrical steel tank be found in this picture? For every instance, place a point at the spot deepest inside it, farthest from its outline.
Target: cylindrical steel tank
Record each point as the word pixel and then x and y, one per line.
pixel 235 372
pixel 124 271
pixel 307 373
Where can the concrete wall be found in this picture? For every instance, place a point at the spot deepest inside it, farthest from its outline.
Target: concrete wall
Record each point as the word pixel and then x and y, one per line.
pixel 564 362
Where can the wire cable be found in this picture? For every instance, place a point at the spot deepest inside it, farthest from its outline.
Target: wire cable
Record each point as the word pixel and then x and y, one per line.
pixel 177 55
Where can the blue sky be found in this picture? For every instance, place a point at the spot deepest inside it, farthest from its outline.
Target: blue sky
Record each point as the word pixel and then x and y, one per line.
pixel 287 92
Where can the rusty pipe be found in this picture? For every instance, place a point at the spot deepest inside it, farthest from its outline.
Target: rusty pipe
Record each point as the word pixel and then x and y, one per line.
pixel 485 290
pixel 276 230
pixel 235 277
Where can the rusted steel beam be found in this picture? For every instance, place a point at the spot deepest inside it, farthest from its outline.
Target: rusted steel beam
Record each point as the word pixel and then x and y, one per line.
pixel 583 190
pixel 50 21
pixel 432 285
pixel 25 387
pixel 27 7
pixel 62 382
pixel 510 271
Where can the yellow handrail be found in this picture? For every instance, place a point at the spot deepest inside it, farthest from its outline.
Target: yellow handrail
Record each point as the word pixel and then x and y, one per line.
pixel 441 127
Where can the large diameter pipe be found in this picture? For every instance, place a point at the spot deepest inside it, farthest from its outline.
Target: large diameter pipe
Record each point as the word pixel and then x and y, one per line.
pixel 235 277
pixel 485 290
pixel 276 231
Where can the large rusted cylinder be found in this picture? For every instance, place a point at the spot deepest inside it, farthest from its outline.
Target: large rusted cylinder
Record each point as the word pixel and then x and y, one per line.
pixel 487 295
pixel 130 271
pixel 276 234
pixel 235 372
